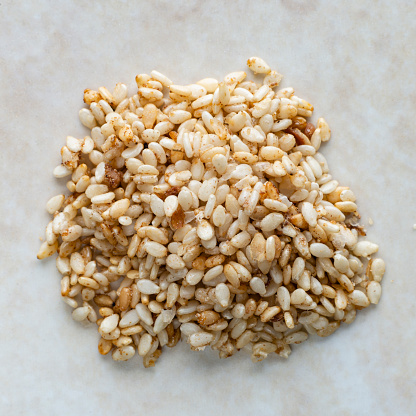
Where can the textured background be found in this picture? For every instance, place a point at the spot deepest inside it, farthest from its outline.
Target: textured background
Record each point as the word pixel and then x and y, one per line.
pixel 354 60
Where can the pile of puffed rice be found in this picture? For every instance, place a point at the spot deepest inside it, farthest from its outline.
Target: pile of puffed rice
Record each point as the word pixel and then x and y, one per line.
pixel 206 212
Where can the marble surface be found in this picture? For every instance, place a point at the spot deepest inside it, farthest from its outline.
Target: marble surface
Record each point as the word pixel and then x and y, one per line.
pixel 354 60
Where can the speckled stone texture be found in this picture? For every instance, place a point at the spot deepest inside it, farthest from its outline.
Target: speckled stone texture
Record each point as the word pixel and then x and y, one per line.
pixel 354 60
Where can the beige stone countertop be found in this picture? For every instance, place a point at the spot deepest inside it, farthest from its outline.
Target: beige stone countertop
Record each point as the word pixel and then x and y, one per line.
pixel 354 60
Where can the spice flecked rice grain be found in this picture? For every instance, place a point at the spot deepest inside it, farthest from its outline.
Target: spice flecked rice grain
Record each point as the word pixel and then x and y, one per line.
pixel 206 212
